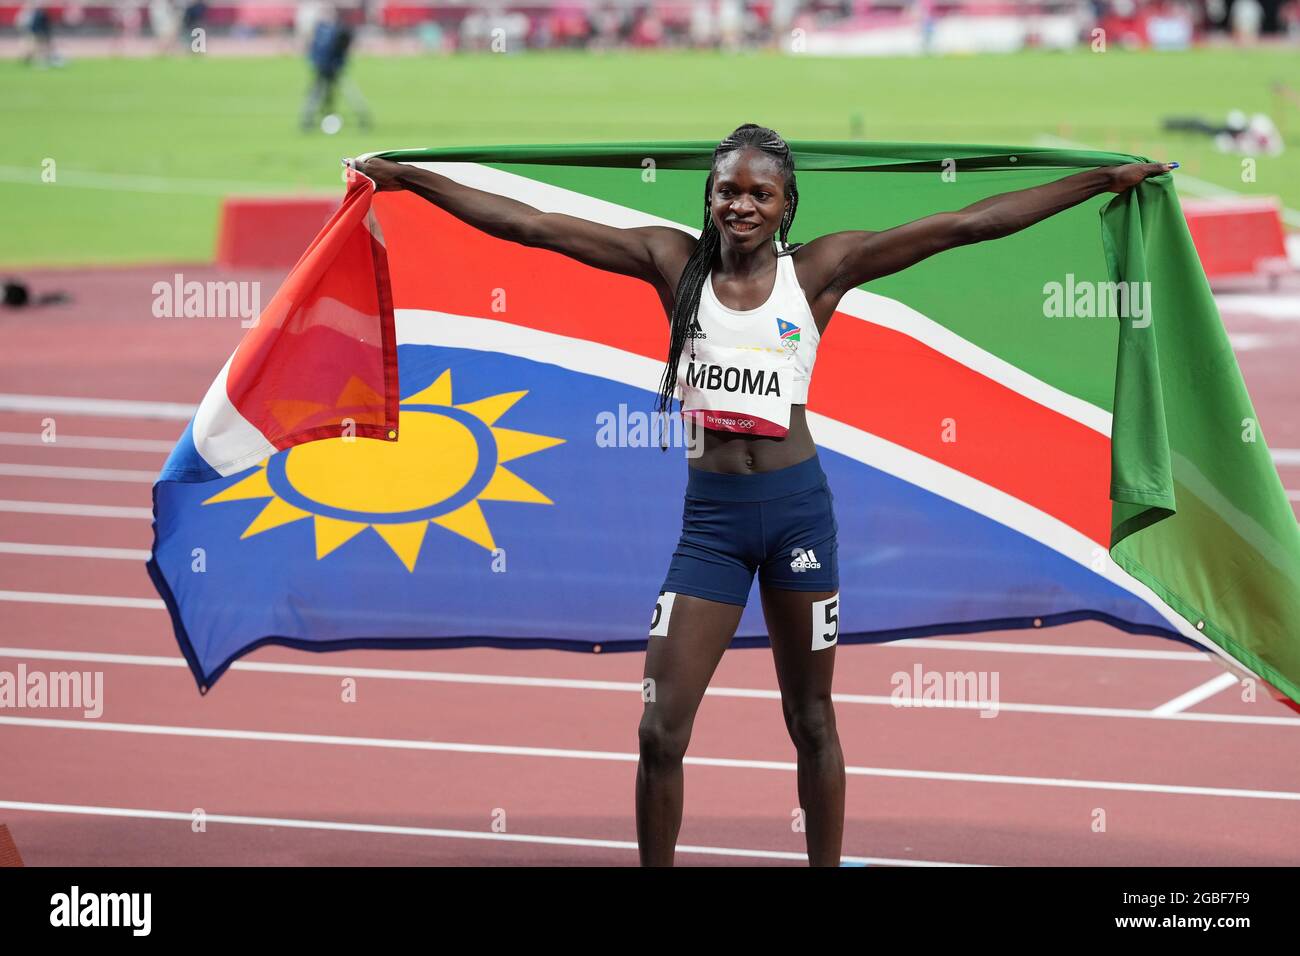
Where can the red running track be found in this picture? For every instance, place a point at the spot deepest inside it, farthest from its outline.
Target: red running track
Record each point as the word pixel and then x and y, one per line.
pixel 480 756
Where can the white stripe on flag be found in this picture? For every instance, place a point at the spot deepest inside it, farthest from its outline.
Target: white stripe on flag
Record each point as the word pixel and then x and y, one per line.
pixel 223 438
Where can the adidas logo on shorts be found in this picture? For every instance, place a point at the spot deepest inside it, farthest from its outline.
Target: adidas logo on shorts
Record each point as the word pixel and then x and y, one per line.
pixel 804 560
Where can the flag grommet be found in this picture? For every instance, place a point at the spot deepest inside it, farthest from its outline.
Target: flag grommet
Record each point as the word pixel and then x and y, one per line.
pixel 392 434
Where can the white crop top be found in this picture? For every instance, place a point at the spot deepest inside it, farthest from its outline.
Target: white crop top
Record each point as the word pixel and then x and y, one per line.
pixel 750 365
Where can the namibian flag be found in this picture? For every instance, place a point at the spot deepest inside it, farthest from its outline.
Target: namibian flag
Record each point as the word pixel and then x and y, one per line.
pixel 788 330
pixel 439 438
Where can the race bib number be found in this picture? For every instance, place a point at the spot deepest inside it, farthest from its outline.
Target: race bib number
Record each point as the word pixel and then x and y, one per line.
pixel 825 622
pixel 663 611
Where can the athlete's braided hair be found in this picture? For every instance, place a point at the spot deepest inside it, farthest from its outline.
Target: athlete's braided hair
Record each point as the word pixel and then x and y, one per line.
pixel 686 302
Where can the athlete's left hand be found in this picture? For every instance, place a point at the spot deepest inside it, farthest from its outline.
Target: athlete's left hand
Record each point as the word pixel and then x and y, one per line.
pixel 383 171
pixel 1130 174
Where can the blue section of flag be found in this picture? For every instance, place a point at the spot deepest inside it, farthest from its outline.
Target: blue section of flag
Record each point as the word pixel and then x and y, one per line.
pixel 582 572
pixel 184 463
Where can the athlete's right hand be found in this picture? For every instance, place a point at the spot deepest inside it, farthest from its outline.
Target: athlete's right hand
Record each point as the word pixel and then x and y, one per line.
pixel 382 171
pixel 1128 175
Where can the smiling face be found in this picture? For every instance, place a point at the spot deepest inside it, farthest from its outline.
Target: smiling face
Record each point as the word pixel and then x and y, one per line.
pixel 748 198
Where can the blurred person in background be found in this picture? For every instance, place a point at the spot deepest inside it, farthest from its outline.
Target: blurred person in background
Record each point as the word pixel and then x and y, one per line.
pixel 165 24
pixel 730 22
pixel 331 41
pixel 782 21
pixel 1246 17
pixel 129 18
pixel 496 29
pixel 191 20
pixel 567 25
pixel 926 14
pixel 703 34
pixel 1288 18
pixel 608 23
pixel 305 17
pixel 1170 25
pixel 432 36
pixel 649 29
pixel 1123 24
pixel 37 19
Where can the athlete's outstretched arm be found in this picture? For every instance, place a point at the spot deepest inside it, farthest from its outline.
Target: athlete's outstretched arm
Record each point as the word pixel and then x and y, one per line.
pixel 845 260
pixel 643 252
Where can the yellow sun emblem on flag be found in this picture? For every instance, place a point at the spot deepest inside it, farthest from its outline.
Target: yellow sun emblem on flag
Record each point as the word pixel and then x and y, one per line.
pixel 449 458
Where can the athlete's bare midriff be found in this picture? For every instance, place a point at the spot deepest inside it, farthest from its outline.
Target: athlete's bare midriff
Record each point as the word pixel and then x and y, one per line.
pixel 735 454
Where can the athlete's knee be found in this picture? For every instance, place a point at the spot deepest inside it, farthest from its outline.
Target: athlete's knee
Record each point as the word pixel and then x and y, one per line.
pixel 812 724
pixel 662 744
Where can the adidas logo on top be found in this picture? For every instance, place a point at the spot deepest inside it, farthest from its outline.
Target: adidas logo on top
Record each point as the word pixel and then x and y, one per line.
pixel 693 331
pixel 804 560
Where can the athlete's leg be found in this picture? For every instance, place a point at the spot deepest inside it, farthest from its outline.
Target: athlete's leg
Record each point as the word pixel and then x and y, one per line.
pixel 356 102
pixel 679 662
pixel 331 82
pixel 311 106
pixel 804 651
pixel 799 584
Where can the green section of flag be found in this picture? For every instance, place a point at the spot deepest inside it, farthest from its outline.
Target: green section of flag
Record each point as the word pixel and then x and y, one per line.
pixel 1199 512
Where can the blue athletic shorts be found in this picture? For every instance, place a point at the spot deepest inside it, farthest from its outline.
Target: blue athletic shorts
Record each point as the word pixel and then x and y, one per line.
pixel 780 523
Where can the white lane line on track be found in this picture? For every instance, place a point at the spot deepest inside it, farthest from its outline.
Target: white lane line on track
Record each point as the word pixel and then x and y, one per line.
pixel 74 510
pixel 96 442
pixel 82 600
pixel 73 551
pixel 388 829
pixel 76 473
pixel 1196 695
pixel 111 407
pixel 508 750
pixel 627 687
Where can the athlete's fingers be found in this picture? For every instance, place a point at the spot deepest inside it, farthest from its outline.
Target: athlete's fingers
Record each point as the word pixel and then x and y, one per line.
pixel 1130 174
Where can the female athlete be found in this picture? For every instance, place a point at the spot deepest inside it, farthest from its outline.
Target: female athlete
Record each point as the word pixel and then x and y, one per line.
pixel 753 311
